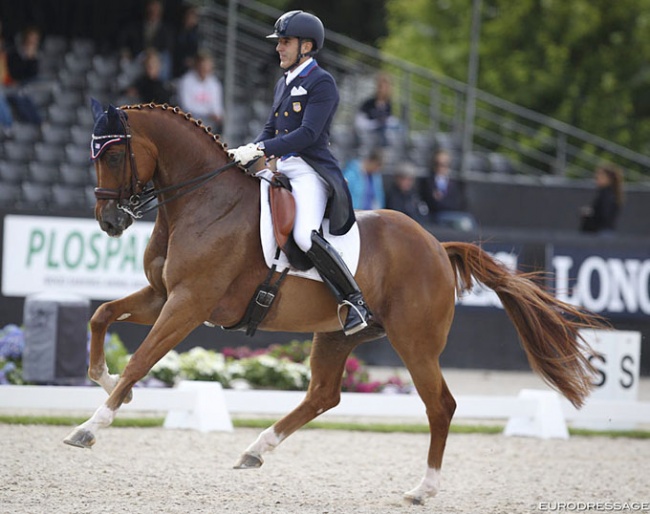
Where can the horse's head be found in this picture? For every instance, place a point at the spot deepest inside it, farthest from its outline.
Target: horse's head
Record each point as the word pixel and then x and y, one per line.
pixel 119 178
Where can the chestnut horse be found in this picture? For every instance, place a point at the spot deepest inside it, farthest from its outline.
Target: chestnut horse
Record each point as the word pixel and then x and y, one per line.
pixel 204 261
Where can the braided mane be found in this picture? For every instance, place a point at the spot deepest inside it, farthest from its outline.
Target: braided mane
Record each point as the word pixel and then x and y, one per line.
pixel 186 115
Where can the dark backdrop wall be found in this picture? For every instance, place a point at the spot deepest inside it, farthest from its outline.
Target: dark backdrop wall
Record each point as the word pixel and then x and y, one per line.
pixel 519 203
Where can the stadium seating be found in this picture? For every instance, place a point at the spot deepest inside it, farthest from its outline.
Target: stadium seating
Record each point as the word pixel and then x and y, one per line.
pixel 34 159
pixel 65 196
pixel 35 196
pixel 12 172
pixel 75 175
pixel 17 151
pixel 42 172
pixel 10 194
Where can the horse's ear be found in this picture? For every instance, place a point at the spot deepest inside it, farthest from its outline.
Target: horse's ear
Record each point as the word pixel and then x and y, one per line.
pixel 97 108
pixel 113 114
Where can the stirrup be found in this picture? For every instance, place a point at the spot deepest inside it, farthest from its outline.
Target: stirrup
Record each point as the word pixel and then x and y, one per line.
pixel 357 328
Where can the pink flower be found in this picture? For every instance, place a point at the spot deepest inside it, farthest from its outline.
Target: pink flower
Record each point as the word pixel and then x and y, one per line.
pixel 352 365
pixel 368 387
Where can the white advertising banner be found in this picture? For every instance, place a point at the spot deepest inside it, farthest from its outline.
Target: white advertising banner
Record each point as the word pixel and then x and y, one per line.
pixel 618 364
pixel 73 255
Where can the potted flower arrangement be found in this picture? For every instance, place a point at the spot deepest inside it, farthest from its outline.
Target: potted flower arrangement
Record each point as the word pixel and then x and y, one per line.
pixel 280 366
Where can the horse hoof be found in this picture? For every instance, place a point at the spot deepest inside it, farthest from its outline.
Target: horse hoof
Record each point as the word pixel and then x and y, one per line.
pixel 80 438
pixel 249 461
pixel 413 500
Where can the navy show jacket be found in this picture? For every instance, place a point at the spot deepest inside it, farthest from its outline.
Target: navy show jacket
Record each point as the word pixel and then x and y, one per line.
pixel 299 124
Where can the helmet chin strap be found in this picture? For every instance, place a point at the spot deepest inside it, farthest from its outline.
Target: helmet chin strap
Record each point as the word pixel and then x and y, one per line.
pixel 300 55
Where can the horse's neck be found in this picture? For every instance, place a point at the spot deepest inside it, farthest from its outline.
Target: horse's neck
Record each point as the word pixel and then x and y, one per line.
pixel 230 195
pixel 186 152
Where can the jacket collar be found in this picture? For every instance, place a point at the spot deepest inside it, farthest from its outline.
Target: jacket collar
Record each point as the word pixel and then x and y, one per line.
pixel 301 71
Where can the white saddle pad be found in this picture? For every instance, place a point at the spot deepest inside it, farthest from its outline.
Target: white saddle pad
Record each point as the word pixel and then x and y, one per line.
pixel 347 245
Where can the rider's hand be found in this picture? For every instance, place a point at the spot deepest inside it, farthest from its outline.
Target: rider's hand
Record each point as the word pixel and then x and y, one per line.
pixel 246 155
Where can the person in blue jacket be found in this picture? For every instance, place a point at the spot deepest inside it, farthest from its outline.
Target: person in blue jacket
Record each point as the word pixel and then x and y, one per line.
pixel 297 134
pixel 365 181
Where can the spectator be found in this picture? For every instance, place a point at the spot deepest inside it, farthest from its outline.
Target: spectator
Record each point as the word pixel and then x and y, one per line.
pixel 601 216
pixel 151 32
pixel 150 87
pixel 402 194
pixel 187 42
pixel 365 181
pixel 22 59
pixel 444 196
pixel 200 92
pixel 6 117
pixel 22 70
pixel 375 115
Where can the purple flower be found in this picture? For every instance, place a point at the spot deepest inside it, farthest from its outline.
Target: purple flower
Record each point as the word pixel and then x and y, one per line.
pixel 12 343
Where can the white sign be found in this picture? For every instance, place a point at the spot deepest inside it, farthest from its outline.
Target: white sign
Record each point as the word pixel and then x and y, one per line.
pixel 50 254
pixel 617 364
pixel 623 285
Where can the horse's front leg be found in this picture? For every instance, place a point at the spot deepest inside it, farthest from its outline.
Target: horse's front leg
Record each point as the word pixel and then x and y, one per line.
pixel 142 307
pixel 178 317
pixel 328 355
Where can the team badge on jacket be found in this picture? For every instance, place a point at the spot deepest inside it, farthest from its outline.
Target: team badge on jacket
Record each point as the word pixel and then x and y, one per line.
pixel 297 107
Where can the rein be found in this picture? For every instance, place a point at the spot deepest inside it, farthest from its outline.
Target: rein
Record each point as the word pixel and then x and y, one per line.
pixel 146 196
pixel 136 202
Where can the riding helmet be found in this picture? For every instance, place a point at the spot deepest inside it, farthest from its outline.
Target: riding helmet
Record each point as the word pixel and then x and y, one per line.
pixel 301 25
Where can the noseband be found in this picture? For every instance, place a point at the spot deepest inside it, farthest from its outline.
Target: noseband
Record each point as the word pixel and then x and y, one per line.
pixel 134 199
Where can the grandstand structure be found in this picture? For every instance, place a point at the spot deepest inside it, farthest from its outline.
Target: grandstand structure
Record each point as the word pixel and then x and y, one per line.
pixel 507 139
pixel 47 168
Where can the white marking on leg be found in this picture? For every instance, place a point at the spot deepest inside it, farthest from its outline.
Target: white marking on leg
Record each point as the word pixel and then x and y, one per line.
pixel 429 486
pixel 124 316
pixel 102 418
pixel 265 442
pixel 107 381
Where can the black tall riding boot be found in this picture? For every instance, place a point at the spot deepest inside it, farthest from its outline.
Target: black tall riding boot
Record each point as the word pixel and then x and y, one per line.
pixel 337 276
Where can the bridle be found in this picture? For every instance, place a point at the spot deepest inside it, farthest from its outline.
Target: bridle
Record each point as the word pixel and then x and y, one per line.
pixel 134 200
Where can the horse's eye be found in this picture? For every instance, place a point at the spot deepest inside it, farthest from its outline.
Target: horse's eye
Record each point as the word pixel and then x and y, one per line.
pixel 114 159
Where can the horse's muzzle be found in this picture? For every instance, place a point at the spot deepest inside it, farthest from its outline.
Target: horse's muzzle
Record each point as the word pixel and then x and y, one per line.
pixel 112 220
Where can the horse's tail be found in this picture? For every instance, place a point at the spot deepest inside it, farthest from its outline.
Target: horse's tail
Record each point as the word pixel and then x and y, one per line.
pixel 547 327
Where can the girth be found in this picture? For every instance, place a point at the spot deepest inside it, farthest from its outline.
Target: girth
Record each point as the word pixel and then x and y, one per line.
pixel 261 302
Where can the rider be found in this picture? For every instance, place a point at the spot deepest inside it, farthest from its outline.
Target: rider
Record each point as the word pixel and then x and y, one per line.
pixel 297 133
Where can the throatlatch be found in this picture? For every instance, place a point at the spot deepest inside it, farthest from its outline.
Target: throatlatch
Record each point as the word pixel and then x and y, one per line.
pixel 339 279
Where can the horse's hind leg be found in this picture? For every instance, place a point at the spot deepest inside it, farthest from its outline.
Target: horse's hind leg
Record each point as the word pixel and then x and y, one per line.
pixel 141 307
pixel 440 405
pixel 329 353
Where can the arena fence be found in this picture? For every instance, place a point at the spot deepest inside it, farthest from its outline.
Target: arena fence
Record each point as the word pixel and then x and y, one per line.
pixel 205 406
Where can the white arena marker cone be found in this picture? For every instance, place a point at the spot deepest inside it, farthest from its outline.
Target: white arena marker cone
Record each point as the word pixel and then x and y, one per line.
pixel 547 421
pixel 209 412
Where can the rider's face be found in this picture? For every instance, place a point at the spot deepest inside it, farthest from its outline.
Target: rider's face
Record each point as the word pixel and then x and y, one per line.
pixel 287 49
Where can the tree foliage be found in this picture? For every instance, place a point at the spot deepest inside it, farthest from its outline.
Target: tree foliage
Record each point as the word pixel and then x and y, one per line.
pixel 585 62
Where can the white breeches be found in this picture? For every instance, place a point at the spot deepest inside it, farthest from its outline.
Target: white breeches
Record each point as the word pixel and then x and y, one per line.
pixel 311 193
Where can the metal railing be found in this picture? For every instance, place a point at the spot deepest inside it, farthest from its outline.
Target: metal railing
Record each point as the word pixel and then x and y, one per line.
pixel 506 137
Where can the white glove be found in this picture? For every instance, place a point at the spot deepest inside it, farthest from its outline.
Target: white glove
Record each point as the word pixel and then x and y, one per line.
pixel 246 155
